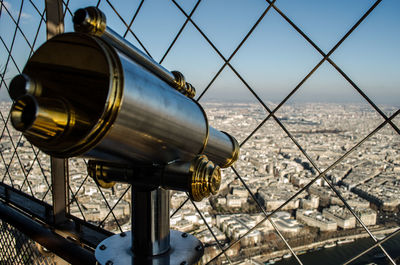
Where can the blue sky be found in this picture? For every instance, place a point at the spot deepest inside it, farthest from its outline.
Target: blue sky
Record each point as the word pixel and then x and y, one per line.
pixel 273 60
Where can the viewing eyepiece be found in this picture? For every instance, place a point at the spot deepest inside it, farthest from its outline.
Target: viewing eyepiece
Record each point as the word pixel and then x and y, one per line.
pixel 23 113
pixel 23 85
pixel 44 120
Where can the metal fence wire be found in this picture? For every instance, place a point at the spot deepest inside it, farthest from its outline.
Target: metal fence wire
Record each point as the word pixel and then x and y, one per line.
pixel 20 171
pixel 17 248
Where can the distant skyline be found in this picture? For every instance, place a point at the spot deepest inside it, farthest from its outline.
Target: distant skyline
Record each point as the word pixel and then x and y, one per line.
pixel 273 60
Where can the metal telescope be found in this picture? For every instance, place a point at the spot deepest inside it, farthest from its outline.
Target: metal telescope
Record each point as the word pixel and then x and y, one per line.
pixel 92 94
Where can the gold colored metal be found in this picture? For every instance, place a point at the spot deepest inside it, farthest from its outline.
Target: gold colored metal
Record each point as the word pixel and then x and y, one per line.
pixel 99 174
pixel 182 86
pixel 179 80
pixel 235 151
pixel 90 20
pixel 190 91
pixel 206 178
pixel 45 123
pixel 24 85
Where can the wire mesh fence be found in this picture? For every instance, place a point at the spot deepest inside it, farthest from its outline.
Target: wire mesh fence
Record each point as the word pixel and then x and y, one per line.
pixel 17 248
pixel 23 166
pixel 306 172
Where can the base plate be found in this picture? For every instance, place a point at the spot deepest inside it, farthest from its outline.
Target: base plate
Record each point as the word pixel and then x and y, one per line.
pixel 116 250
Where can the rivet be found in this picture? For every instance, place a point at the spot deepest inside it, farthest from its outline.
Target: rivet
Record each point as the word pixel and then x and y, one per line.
pixel 109 262
pixel 183 263
pixel 122 234
pixel 199 247
pixel 102 247
pixel 184 235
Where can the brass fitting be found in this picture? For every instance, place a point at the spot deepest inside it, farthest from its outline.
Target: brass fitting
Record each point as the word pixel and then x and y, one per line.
pixel 182 86
pixel 206 178
pixel 200 177
pixel 46 123
pixel 90 20
pixel 99 174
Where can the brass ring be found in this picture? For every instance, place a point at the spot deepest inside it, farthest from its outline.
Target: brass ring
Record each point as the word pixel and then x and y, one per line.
pixel 111 110
pixel 96 172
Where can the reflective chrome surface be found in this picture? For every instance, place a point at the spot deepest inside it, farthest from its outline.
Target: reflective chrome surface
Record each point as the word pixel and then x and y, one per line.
pixel 219 145
pixel 150 221
pixel 155 123
pixel 137 55
pixel 128 113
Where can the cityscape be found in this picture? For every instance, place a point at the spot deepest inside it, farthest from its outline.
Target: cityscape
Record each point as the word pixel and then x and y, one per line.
pixel 272 167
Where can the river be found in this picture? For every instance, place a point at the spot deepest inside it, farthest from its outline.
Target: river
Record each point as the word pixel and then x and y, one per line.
pixel 341 253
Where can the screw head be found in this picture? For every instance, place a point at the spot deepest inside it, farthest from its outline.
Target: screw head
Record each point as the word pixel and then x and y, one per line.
pixel 109 262
pixel 184 235
pixel 183 263
pixel 123 234
pixel 199 247
pixel 102 247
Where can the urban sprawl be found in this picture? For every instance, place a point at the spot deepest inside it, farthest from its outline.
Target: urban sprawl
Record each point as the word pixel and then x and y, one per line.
pixel 274 169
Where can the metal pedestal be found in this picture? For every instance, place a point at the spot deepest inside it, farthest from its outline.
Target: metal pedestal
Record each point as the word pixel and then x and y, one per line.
pixel 150 242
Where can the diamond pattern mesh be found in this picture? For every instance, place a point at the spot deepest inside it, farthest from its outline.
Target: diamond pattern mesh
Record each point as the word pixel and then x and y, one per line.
pixel 17 248
pixel 23 166
pixel 272 129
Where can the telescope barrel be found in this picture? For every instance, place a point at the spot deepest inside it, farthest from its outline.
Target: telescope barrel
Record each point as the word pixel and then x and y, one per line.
pixel 124 112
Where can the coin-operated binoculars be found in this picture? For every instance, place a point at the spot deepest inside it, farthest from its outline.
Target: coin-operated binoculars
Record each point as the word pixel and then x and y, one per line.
pixel 92 94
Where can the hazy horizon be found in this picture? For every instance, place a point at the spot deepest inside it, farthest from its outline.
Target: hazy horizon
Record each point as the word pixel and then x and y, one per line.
pixel 273 60
pixel 274 103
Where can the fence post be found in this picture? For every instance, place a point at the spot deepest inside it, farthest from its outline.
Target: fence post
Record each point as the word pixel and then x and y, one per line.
pixel 59 167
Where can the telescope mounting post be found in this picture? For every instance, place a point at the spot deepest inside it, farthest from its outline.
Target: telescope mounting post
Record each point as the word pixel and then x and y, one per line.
pixel 150 221
pixel 150 241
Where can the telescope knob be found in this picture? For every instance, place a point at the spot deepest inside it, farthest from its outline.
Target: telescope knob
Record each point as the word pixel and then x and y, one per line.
pixel 90 20
pixel 206 178
pixel 182 86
